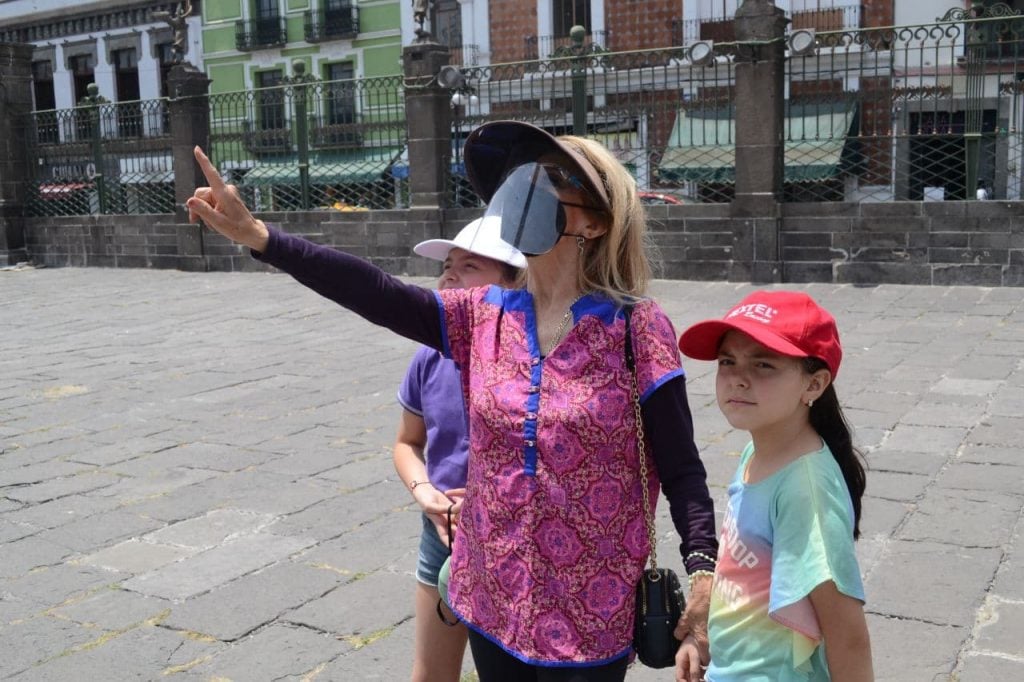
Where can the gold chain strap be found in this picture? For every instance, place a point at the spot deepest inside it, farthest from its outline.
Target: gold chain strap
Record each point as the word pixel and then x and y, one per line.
pixel 642 451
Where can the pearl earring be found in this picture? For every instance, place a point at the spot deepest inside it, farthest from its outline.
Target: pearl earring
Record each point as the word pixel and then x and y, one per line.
pixel 810 402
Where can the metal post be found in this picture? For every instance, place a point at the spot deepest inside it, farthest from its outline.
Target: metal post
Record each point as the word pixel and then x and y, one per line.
pixel 975 92
pixel 579 81
pixel 300 91
pixel 92 102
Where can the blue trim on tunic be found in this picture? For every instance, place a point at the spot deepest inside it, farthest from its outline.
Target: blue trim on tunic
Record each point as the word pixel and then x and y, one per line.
pixel 657 384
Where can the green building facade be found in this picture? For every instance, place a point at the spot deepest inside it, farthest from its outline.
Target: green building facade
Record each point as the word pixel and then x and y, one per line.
pixel 248 44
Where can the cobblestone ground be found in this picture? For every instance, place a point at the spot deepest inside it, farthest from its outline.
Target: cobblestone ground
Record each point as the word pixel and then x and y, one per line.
pixel 195 477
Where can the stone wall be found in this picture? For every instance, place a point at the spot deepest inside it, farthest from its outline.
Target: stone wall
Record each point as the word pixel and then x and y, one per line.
pixel 942 243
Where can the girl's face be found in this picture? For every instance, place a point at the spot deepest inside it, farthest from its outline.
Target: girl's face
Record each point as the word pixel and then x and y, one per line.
pixel 464 270
pixel 758 388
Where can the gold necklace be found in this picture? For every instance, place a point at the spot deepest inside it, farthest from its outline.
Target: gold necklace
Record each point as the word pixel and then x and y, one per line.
pixel 562 328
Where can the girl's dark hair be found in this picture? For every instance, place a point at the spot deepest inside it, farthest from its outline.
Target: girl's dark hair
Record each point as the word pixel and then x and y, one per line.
pixel 828 420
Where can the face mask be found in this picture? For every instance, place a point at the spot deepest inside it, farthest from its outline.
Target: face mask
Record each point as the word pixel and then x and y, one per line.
pixel 527 203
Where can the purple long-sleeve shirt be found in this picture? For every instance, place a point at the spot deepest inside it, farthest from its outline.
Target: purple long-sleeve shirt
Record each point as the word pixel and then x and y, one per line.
pixel 413 312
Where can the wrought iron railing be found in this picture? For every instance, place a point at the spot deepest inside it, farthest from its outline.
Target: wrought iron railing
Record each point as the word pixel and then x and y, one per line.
pixel 254 34
pixel 100 157
pixel 898 113
pixel 341 145
pixel 331 24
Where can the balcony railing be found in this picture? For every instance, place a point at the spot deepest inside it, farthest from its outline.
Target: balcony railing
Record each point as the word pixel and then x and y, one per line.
pixel 722 29
pixel 331 24
pixel 255 34
pixel 339 135
pixel 260 140
pixel 544 47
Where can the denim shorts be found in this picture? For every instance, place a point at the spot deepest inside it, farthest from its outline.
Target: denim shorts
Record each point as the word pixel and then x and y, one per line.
pixel 433 552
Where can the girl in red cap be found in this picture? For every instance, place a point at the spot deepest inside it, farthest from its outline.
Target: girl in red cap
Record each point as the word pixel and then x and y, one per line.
pixel 787 598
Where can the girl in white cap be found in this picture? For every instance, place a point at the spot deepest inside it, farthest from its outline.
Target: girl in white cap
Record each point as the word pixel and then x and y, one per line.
pixel 432 445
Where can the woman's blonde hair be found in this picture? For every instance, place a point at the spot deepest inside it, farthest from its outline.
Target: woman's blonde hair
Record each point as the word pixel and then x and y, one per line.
pixel 617 262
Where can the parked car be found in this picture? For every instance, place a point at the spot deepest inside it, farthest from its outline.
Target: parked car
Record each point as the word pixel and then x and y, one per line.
pixel 649 198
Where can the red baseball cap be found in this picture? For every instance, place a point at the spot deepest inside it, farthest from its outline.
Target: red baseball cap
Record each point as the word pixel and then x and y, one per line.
pixel 787 322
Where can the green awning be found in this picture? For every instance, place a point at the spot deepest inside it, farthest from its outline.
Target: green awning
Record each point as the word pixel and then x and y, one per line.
pixel 326 168
pixel 702 147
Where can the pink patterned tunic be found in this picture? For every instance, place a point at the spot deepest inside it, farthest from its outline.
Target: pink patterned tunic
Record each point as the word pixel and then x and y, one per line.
pixel 552 539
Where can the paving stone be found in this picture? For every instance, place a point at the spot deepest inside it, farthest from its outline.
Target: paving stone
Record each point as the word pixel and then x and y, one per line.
pixel 355 608
pixel 120 451
pixel 968 386
pixel 136 556
pixel 886 460
pixel 230 612
pixel 35 592
pixel 61 512
pixel 937 439
pixel 99 530
pixel 277 652
pixel 998 431
pixel 388 541
pixel 30 553
pixel 211 529
pixel 999 630
pixel 142 653
pixel 203 572
pixel 972 476
pixel 889 485
pixel 40 473
pixel 908 650
pixel 112 609
pixel 960 575
pixel 962 517
pixel 26 643
pixel 985 668
pixel 61 487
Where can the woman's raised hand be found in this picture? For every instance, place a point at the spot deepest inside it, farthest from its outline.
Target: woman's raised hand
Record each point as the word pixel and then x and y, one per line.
pixel 222 209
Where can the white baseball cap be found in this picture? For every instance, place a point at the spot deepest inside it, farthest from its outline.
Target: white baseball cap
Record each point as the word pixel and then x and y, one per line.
pixel 482 237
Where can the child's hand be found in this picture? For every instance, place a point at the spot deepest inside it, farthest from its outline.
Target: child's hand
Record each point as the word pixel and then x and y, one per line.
pixel 688 667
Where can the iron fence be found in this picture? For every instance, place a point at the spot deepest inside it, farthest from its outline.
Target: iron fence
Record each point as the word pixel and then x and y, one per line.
pixel 333 145
pixel 100 157
pixel 925 112
pixel 658 111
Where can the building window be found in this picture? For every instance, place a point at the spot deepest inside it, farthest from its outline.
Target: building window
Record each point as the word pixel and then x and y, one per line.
pixel 45 101
pixel 270 100
pixel 165 55
pixel 42 85
pixel 341 96
pixel 126 82
pixel 569 13
pixel 81 67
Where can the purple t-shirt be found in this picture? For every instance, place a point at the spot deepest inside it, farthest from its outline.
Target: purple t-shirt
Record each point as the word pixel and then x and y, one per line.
pixel 432 389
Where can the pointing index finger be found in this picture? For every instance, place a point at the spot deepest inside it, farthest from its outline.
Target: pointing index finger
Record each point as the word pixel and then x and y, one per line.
pixel 212 176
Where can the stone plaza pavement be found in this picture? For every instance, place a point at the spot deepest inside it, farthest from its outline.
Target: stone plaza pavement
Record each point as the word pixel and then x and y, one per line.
pixel 196 478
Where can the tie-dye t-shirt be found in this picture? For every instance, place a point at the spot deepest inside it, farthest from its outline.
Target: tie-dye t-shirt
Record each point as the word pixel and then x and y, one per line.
pixel 782 537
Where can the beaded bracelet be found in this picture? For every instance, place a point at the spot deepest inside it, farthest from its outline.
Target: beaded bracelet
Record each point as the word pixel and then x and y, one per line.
pixel 702 555
pixel 698 574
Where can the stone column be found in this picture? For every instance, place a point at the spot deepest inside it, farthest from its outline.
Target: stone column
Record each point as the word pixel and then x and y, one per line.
pixel 428 118
pixel 189 107
pixel 760 129
pixel 15 108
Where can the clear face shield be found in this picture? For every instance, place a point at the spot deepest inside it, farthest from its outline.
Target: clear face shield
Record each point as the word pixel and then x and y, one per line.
pixel 531 212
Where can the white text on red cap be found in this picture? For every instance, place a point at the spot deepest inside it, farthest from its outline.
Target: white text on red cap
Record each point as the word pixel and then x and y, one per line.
pixel 754 311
